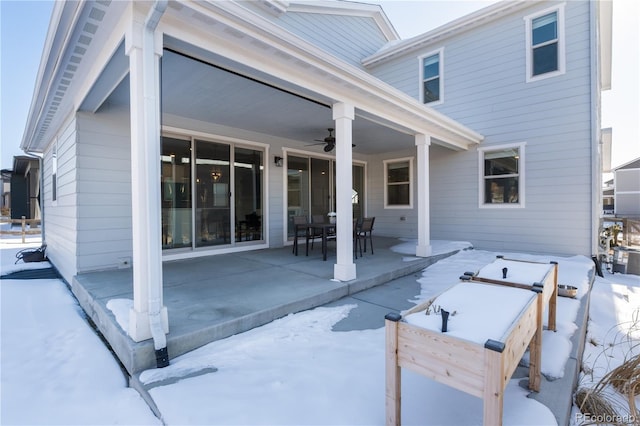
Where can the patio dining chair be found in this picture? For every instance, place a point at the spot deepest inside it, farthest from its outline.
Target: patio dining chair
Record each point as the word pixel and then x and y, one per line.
pixel 365 230
pixel 299 224
pixel 316 233
pixel 356 239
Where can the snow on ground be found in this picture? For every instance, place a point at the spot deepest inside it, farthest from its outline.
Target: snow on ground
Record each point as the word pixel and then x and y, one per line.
pixel 295 370
pixel 54 368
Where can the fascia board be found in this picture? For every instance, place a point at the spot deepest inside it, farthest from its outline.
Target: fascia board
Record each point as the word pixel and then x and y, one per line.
pixel 411 113
pixel 64 18
pixel 464 23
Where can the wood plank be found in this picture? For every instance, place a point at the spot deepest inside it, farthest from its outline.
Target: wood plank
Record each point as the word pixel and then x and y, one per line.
pixel 449 360
pixel 493 397
pixel 520 338
pixel 392 375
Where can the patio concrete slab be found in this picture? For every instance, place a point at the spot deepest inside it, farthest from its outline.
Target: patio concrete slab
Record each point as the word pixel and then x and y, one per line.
pixel 213 297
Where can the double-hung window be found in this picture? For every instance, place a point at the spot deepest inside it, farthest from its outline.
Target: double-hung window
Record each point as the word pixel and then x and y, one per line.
pixel 398 191
pixel 431 77
pixel 502 176
pixel 545 44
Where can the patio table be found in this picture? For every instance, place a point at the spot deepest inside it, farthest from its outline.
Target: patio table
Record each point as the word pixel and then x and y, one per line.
pixel 326 229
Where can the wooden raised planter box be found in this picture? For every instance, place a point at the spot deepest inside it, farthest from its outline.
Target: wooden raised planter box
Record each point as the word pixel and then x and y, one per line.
pixel 485 341
pixel 523 274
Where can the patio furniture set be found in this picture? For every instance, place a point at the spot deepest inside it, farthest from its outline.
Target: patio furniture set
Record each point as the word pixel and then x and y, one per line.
pixel 325 231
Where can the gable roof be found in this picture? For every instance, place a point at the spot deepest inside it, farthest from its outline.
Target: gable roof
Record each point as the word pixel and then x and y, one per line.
pixel 74 60
pixel 465 23
pixel 633 164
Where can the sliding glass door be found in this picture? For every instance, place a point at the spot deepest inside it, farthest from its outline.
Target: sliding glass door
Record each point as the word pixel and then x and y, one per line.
pixel 311 188
pixel 213 205
pixel 227 183
pixel 176 193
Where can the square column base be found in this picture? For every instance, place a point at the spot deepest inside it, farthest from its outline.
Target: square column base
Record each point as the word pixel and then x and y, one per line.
pixel 139 328
pixel 344 272
pixel 423 250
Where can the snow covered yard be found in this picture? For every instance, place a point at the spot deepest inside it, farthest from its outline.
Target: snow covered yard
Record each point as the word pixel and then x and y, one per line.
pixel 295 370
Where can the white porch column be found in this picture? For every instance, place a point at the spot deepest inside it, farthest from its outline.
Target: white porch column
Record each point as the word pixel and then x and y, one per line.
pixel 344 269
pixel 423 249
pixel 144 56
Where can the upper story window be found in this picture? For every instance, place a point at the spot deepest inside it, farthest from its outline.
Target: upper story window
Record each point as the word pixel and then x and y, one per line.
pixel 545 44
pixel 431 77
pixel 502 176
pixel 398 190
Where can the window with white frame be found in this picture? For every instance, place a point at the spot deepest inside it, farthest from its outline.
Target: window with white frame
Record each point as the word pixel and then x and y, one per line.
pixel 431 77
pixel 398 191
pixel 545 43
pixel 54 172
pixel 502 176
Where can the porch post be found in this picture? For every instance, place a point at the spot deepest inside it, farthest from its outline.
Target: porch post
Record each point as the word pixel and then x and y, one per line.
pixel 423 249
pixel 144 79
pixel 344 269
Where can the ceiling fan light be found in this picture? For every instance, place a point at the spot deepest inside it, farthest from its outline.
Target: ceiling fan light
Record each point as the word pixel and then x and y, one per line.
pixel 328 147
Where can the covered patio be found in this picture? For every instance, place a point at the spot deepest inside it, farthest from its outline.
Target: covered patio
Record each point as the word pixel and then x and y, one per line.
pixel 214 297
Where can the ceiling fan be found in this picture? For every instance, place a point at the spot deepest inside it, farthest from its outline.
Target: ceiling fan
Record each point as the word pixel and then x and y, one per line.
pixel 330 141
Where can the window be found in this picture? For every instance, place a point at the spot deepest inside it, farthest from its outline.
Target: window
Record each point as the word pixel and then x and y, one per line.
pixel 431 77
pixel 398 183
pixel 502 176
pixel 545 44
pixel 54 172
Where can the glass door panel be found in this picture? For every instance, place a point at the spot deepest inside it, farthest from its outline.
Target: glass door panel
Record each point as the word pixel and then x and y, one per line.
pixel 320 188
pixel 297 189
pixel 357 194
pixel 248 194
pixel 357 190
pixel 175 165
pixel 213 207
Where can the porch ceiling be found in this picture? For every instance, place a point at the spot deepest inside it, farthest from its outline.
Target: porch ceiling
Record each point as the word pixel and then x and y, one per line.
pixel 211 90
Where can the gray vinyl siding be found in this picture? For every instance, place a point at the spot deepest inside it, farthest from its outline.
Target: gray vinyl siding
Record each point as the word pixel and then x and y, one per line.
pixel 627 192
pixel 349 38
pixel 485 89
pixel 104 189
pixel 61 215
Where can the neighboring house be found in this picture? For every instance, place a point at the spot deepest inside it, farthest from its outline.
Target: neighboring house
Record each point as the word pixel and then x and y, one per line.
pixel 5 195
pixel 182 129
pixel 608 198
pixel 626 190
pixel 21 188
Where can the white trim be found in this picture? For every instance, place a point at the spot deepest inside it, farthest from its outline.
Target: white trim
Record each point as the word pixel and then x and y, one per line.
pixel 186 133
pixel 521 176
pixel 421 58
pixel 411 182
pixel 530 78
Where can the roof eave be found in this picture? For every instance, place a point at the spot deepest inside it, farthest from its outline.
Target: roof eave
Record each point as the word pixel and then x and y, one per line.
pixel 63 19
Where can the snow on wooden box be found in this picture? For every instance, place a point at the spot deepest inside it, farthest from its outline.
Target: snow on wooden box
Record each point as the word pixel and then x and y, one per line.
pixel 490 331
pixel 523 274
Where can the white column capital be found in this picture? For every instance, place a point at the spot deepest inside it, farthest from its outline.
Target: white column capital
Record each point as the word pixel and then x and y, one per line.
pixel 422 139
pixel 343 110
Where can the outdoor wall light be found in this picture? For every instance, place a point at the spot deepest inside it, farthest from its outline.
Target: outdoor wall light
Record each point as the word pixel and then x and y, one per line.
pixel 277 161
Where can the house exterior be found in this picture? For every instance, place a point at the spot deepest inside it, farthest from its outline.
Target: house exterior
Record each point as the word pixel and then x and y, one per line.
pixel 626 189
pixel 178 129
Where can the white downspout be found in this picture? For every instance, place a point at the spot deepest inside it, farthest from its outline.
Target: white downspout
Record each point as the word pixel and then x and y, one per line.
pixel 151 86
